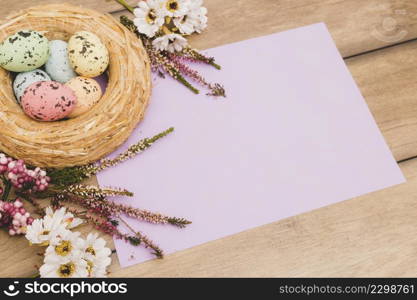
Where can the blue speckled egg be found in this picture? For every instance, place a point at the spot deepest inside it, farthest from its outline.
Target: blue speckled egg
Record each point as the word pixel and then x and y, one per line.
pixel 58 65
pixel 23 80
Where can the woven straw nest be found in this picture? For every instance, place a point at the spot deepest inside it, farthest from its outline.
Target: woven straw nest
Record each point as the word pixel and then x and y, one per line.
pixel 108 124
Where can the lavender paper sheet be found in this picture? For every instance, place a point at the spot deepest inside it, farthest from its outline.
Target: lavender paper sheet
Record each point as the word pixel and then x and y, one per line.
pixel 293 135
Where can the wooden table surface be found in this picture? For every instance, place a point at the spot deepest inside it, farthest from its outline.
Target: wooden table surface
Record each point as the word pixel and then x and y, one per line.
pixel 372 235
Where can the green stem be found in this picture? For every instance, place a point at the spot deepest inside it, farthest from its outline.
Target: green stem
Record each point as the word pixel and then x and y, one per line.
pixel 144 239
pixel 38 208
pixel 181 79
pixel 126 5
pixel 218 67
pixel 174 73
pixel 7 188
pixel 197 55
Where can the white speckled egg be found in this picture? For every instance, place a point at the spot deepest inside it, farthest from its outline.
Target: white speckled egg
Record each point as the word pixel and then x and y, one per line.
pixel 88 56
pixel 88 93
pixel 23 80
pixel 24 51
pixel 58 65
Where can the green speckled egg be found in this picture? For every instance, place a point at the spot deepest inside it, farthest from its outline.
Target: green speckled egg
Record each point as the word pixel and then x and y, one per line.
pixel 88 56
pixel 24 51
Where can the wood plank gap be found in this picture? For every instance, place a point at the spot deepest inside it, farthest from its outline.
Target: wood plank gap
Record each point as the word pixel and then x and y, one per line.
pixel 381 48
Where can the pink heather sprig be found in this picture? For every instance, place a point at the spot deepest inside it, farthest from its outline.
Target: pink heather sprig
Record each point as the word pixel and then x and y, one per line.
pixel 215 89
pixel 17 173
pixel 103 207
pixel 172 64
pixel 109 226
pixel 91 191
pixel 15 217
pixel 192 55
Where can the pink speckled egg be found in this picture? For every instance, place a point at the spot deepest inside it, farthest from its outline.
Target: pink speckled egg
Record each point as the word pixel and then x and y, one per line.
pixel 48 101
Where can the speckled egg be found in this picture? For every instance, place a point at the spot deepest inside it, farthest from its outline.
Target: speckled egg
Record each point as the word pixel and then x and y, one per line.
pixel 89 57
pixel 88 93
pixel 48 101
pixel 58 65
pixel 23 80
pixel 24 51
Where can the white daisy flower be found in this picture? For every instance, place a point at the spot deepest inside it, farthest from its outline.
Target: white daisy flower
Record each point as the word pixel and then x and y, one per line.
pixel 199 14
pixel 170 42
pixel 97 255
pixel 42 231
pixel 175 8
pixel 66 218
pixel 66 244
pixel 187 23
pixel 149 17
pixel 56 266
pixel 194 21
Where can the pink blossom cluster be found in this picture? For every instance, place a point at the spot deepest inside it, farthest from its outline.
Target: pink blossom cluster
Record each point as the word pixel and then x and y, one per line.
pixel 14 216
pixel 19 175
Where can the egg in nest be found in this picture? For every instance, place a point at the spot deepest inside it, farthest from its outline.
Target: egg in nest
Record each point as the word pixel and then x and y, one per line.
pixel 88 56
pixel 24 51
pixel 48 101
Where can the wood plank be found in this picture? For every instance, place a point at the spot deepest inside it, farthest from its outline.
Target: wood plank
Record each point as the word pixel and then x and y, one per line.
pixel 357 26
pixel 360 237
pixel 388 81
pixel 365 25
pixel 100 5
pixel 372 235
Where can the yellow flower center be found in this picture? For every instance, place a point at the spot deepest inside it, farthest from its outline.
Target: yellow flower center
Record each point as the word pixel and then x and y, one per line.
pixel 166 30
pixel 151 16
pixel 91 251
pixel 90 266
pixel 172 5
pixel 66 270
pixel 169 26
pixel 45 232
pixel 64 248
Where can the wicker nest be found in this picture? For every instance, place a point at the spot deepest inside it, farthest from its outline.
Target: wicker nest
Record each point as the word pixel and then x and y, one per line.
pixel 108 124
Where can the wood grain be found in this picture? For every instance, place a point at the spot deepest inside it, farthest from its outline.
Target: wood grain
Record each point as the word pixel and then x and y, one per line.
pixel 100 5
pixel 372 235
pixel 388 81
pixel 357 26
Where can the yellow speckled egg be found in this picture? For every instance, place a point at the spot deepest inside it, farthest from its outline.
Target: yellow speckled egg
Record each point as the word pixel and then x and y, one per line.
pixel 88 56
pixel 88 93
